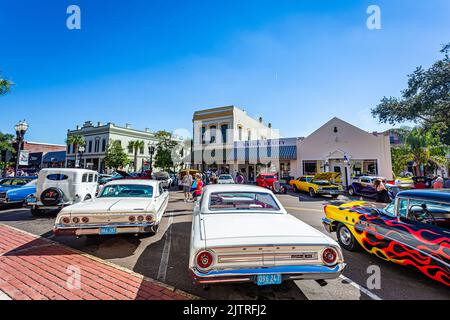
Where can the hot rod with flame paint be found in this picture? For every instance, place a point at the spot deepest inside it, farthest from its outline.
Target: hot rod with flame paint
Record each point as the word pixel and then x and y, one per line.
pixel 413 231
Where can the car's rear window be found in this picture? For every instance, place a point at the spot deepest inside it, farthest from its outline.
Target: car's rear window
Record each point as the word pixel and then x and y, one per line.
pixel 225 177
pixel 269 177
pixel 245 201
pixel 127 191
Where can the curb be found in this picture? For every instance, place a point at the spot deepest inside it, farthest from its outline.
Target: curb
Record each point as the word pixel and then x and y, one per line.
pixel 131 272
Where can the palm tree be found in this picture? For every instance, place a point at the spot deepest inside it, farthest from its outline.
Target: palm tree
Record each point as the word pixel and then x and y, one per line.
pixel 135 146
pixel 5 86
pixel 77 141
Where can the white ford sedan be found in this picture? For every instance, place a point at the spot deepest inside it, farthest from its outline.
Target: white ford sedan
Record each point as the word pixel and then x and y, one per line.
pixel 243 234
pixel 123 206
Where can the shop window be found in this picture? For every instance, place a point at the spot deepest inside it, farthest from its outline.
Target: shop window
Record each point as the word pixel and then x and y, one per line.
pixel 309 167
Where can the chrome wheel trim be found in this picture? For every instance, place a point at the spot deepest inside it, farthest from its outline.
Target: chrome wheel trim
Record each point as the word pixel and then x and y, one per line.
pixel 345 236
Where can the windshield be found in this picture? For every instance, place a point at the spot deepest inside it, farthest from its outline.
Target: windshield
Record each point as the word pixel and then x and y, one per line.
pixel 127 191
pixel 250 201
pixel 227 177
pixel 321 182
pixel 32 183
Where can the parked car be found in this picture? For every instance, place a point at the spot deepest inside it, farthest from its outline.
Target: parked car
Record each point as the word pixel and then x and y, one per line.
pixel 242 233
pixel 18 195
pixel 164 178
pixel 363 186
pixel 14 183
pixel 225 179
pixel 413 231
pixel 270 181
pixel 124 206
pixel 421 182
pixel 323 183
pixel 57 188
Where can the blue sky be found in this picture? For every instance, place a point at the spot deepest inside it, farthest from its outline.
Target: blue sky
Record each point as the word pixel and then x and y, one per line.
pixel 153 63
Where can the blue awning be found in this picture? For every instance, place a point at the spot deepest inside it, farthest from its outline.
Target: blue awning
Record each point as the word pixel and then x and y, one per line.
pixel 54 156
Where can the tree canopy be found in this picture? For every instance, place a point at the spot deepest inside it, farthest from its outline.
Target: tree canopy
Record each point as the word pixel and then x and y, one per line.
pixel 425 101
pixel 5 85
pixel 164 149
pixel 115 157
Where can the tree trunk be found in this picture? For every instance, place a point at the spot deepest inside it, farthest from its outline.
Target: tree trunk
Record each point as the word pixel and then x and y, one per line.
pixel 135 159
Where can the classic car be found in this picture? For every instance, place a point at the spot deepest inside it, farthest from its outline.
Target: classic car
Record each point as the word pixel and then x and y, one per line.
pixel 14 183
pixel 323 183
pixel 164 177
pixel 413 231
pixel 270 181
pixel 363 186
pixel 225 179
pixel 124 206
pixel 242 233
pixel 18 195
pixel 57 188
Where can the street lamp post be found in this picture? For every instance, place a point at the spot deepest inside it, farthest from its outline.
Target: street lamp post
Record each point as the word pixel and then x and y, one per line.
pixel 21 127
pixel 151 151
pixel 80 153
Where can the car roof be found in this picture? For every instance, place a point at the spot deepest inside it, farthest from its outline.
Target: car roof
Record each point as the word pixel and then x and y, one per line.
pixel 62 170
pixel 142 182
pixel 441 195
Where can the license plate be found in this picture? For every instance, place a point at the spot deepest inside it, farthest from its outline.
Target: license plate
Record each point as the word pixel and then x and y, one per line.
pixel 108 230
pixel 267 279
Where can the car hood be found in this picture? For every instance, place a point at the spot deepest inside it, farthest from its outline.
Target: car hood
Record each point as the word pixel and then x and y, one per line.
pixel 256 229
pixel 327 176
pixel 23 189
pixel 113 205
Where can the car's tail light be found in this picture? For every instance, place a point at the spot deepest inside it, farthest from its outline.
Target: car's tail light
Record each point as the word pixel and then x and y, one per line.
pixel 325 208
pixel 76 220
pixel 85 219
pixel 66 220
pixel 140 218
pixel 329 256
pixel 132 218
pixel 149 218
pixel 204 259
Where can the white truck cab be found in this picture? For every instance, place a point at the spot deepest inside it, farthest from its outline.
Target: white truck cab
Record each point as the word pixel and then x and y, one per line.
pixel 57 188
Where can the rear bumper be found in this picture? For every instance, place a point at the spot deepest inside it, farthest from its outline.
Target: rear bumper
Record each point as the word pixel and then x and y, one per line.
pixel 311 272
pixel 63 230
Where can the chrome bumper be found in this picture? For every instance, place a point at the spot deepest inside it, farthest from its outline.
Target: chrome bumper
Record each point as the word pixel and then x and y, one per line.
pixel 79 230
pixel 330 192
pixel 313 272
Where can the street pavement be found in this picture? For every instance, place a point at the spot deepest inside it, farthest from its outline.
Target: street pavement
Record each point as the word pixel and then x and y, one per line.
pixel 165 256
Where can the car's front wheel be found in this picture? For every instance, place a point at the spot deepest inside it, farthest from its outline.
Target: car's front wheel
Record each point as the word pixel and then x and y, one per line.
pixel 296 188
pixel 312 194
pixel 346 238
pixel 351 191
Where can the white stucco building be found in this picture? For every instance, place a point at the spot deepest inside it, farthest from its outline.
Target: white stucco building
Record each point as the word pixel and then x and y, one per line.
pixel 97 139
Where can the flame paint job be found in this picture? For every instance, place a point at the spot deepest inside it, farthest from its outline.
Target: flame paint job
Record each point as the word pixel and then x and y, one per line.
pixel 423 247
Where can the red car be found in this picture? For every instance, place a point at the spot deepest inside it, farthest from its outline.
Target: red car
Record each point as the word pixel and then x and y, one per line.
pixel 270 181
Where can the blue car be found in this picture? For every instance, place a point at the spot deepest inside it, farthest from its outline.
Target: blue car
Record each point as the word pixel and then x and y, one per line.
pixel 15 190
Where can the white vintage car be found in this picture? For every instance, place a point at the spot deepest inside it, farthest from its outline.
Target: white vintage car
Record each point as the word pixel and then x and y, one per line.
pixel 243 234
pixel 123 206
pixel 57 188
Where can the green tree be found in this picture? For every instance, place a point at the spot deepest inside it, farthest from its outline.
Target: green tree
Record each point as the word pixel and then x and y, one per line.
pixel 164 149
pixel 77 141
pixel 5 86
pixel 115 157
pixel 135 147
pixel 6 144
pixel 422 147
pixel 425 101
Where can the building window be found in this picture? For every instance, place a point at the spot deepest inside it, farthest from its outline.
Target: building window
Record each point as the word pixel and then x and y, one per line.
pixel 130 148
pixel 212 134
pixel 203 132
pixel 141 150
pixel 90 146
pixel 224 132
pixel 240 133
pixel 97 145
pixel 249 135
pixel 309 167
pixel 103 145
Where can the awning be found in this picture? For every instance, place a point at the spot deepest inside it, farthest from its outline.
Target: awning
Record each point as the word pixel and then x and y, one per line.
pixel 54 156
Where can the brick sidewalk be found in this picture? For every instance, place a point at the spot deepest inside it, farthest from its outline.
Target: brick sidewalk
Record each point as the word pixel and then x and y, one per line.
pixel 34 268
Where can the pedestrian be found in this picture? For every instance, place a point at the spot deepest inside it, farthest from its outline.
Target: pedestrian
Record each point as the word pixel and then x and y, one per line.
pixel 438 183
pixel 382 193
pixel 186 183
pixel 197 186
pixel 213 179
pixel 239 178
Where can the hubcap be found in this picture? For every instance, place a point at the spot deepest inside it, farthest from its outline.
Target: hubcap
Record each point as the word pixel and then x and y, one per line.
pixel 345 236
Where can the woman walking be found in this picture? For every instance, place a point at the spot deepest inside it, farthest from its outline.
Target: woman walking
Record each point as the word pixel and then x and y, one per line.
pixel 197 186
pixel 382 193
pixel 186 183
